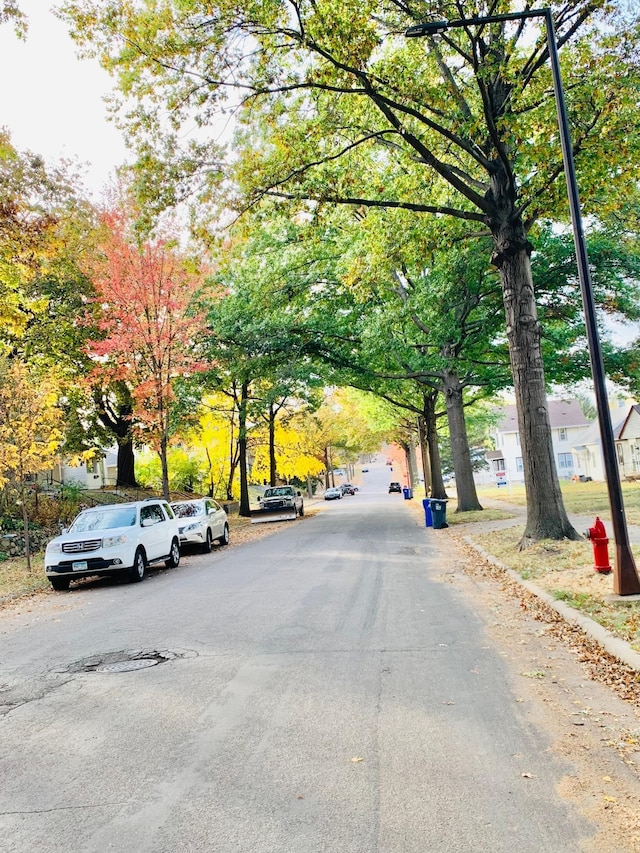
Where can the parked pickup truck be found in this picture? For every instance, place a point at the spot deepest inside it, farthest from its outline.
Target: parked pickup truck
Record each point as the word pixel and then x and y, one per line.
pixel 278 503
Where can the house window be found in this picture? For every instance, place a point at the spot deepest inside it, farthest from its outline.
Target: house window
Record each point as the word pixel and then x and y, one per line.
pixel 562 434
pixel 565 460
pixel 498 464
pixel 620 452
pixel 518 439
pixel 519 465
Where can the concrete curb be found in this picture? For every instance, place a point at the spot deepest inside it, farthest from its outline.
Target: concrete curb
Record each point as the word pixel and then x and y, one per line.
pixel 620 649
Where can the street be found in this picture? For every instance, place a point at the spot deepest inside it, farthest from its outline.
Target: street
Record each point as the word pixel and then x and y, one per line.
pixel 338 686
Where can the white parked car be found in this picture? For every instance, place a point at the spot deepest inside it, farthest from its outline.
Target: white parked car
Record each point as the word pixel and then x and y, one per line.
pixel 333 493
pixel 201 522
pixel 116 538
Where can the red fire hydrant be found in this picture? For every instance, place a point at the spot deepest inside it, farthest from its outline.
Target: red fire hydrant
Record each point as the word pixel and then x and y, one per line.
pixel 598 536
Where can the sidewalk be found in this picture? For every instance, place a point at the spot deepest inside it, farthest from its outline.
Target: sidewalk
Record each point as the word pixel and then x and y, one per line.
pixel 580 522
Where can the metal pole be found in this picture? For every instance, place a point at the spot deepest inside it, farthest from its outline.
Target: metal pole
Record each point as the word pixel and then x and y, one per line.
pixel 625 579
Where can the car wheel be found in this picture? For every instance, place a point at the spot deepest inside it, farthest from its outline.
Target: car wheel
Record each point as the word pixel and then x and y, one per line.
pixel 301 510
pixel 137 570
pixel 224 539
pixel 174 556
pixel 60 584
pixel 206 545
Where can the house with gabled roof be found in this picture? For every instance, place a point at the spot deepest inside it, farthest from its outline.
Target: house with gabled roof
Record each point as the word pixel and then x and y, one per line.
pixel 567 421
pixel 587 446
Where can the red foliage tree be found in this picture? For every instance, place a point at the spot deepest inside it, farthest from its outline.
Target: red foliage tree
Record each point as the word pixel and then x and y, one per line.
pixel 145 298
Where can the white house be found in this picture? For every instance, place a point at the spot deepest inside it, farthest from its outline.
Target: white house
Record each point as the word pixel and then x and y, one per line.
pixel 567 423
pixel 626 433
pixel 95 473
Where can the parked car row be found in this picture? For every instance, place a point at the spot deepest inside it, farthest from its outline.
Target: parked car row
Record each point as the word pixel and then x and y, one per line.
pixel 124 539
pixel 337 492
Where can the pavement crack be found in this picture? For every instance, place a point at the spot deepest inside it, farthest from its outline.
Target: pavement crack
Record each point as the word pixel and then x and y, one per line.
pixel 66 808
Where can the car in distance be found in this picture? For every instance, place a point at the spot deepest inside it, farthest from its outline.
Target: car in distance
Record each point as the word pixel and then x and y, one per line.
pixel 333 494
pixel 120 539
pixel 394 487
pixel 348 489
pixel 201 521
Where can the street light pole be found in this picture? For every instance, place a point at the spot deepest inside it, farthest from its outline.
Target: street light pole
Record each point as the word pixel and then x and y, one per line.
pixel 625 578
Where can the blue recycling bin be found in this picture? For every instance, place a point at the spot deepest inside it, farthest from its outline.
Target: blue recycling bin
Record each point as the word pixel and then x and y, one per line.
pixel 407 492
pixel 428 517
pixel 439 512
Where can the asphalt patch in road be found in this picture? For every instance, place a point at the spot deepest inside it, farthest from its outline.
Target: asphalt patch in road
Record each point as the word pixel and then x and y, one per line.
pixel 126 660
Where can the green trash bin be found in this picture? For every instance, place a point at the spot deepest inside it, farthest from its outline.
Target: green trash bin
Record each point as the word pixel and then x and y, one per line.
pixel 439 513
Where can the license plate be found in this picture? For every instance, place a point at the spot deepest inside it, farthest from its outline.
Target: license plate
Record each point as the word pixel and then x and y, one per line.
pixel 79 566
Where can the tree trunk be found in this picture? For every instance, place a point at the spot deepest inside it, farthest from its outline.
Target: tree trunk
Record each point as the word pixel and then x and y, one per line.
pixel 210 489
pixel 25 524
pixel 233 454
pixel 413 463
pixel 465 485
pixel 126 475
pixel 546 515
pixel 114 410
pixel 165 467
pixel 429 415
pixel 272 446
pixel 244 510
pixel 424 451
pixel 407 463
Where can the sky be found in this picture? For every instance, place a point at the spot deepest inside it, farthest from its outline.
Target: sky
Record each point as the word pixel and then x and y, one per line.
pixel 51 101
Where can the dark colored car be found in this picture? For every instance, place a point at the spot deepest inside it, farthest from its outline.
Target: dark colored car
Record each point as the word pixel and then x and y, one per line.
pixel 394 487
pixel 348 489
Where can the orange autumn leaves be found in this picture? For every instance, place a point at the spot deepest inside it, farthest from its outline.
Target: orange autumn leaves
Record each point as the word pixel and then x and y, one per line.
pixel 148 319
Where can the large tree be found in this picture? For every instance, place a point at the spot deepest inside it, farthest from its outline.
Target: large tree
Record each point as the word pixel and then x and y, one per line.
pixel 149 324
pixel 30 430
pixel 468 117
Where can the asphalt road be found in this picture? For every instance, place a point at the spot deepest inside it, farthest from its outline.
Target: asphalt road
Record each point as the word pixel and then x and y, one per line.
pixel 323 690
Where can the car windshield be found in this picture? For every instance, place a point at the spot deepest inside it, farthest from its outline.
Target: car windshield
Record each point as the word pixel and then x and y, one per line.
pixel 188 510
pixel 278 492
pixel 104 518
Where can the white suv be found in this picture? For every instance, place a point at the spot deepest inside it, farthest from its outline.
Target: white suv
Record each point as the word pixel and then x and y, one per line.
pixel 115 538
pixel 201 522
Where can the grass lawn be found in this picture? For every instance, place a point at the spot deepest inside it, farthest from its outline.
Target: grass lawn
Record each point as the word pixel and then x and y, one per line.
pixel 581 498
pixel 476 516
pixel 15 580
pixel 565 569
